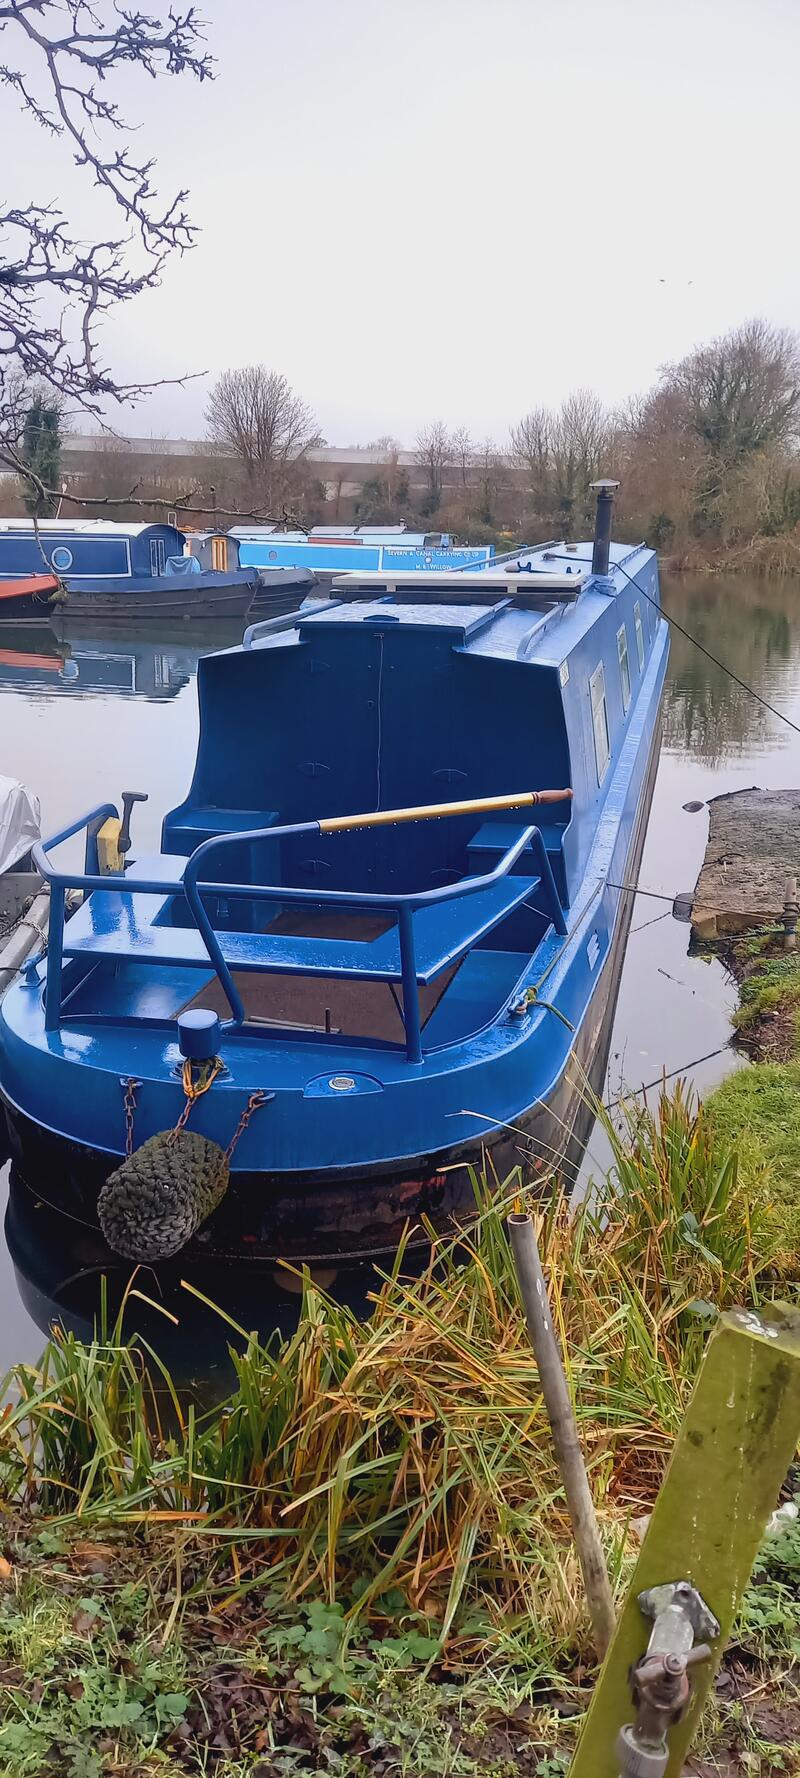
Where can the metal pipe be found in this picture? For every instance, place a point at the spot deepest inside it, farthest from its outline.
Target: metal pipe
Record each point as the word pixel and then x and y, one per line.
pixel 288 620
pixel 22 939
pixel 605 491
pixel 55 950
pixel 408 969
pixel 790 913
pixel 533 1291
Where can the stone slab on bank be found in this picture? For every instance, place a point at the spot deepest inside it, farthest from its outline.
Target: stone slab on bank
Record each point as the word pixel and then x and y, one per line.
pixel 753 846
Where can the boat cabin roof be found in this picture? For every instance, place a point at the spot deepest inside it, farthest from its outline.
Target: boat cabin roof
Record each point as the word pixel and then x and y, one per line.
pixel 535 614
pixel 83 527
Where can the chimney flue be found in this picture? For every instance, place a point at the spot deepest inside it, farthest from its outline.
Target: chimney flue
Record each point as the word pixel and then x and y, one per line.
pixel 605 491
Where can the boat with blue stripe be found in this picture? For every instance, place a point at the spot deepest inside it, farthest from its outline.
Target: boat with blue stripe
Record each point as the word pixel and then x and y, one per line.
pixel 382 938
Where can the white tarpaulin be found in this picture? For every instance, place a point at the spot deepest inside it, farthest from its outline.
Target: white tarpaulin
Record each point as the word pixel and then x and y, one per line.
pixel 19 822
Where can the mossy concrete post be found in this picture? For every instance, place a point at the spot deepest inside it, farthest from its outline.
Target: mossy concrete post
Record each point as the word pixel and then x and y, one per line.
pixel 730 1458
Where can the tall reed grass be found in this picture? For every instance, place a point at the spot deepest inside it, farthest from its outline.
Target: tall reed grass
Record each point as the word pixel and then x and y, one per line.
pixel 412 1450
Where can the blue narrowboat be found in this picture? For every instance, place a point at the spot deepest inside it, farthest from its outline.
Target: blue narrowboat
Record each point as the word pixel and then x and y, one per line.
pixel 341 549
pixel 383 929
pixel 111 573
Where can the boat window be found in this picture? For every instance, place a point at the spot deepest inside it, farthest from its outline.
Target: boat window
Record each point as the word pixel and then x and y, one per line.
pixel 624 668
pixel 158 555
pixel 637 620
pixel 602 750
pixel 61 558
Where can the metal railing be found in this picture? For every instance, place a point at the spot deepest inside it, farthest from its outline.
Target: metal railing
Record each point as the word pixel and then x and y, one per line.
pixel 402 906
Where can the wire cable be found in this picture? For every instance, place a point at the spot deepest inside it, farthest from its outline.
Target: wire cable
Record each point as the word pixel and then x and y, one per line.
pixel 634 1092
pixel 765 703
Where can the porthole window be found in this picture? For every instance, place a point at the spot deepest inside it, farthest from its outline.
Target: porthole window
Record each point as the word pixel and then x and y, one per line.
pixel 624 666
pixel 61 558
pixel 602 749
pixel 273 555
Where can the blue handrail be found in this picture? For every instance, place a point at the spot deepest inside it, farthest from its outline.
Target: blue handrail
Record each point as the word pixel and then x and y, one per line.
pixel 402 905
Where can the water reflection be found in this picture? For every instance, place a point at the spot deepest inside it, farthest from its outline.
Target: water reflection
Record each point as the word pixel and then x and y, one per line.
pixel 192 1316
pixel 155 667
pixel 751 625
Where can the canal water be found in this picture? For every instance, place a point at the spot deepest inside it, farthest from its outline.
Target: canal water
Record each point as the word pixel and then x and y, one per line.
pixel 79 725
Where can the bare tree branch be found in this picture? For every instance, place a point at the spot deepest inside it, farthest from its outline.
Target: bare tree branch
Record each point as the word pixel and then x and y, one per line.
pixel 255 412
pixel 178 503
pixel 434 451
pixel 55 56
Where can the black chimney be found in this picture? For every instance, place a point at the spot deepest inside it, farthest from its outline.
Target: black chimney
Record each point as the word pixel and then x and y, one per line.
pixel 605 492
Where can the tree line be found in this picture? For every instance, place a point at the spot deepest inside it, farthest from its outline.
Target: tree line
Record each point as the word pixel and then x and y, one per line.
pixel 707 459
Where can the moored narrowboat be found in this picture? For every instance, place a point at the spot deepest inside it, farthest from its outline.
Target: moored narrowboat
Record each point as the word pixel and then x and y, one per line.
pixel 338 549
pixel 384 928
pixel 108 573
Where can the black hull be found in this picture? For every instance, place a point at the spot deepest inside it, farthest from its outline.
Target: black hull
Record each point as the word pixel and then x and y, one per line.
pixel 26 612
pixel 173 600
pixel 334 1218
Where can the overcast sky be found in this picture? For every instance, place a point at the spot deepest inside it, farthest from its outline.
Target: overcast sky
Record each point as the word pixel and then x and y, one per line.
pixel 461 208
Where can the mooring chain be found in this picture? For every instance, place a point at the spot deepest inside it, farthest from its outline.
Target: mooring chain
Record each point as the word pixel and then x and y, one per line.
pixel 130 1107
pixel 254 1103
pixel 194 1090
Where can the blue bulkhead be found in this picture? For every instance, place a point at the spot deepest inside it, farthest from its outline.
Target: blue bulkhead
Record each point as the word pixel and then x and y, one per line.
pixel 359 711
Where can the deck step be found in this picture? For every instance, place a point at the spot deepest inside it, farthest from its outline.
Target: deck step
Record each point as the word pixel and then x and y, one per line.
pixel 118 925
pixel 495 837
pixel 194 823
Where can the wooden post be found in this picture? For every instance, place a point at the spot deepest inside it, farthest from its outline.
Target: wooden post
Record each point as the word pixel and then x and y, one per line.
pixel 730 1458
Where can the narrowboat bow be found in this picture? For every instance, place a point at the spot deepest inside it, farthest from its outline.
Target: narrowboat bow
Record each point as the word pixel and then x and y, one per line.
pixel 365 954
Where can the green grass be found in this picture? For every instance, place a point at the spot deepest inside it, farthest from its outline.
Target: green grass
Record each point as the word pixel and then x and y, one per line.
pixel 757 1110
pixel 775 982
pixel 114 1665
pixel 126 1672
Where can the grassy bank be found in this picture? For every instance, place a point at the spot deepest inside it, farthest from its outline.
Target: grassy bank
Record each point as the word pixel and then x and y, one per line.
pixel 758 1108
pixel 361 1561
pixel 113 1661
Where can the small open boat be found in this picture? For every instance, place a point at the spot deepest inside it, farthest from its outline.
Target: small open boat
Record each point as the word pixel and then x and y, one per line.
pixel 28 599
pixel 384 925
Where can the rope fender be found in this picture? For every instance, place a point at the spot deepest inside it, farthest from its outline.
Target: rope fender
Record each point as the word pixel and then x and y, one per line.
pixel 162 1193
pixel 159 1197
